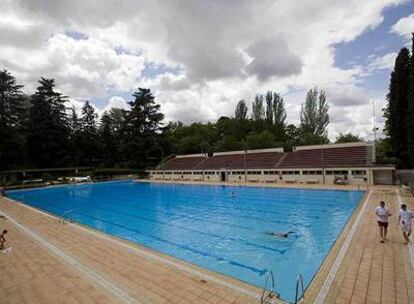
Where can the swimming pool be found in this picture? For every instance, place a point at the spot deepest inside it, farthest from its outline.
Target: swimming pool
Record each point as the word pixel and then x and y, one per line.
pixel 221 228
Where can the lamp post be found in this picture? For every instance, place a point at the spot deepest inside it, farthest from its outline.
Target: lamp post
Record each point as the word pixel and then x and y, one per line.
pixel 244 161
pixel 374 129
pixel 323 165
pixel 162 161
pixel 202 162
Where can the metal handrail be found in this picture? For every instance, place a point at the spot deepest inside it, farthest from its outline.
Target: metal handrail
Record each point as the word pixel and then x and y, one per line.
pixel 264 297
pixel 64 216
pixel 299 283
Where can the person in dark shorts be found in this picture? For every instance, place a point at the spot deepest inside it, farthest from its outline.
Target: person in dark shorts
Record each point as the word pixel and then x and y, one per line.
pixel 382 213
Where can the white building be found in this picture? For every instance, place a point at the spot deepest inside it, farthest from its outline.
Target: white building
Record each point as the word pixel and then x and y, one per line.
pixel 350 163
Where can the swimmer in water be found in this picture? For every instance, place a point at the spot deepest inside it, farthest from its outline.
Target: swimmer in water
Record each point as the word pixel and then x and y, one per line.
pixel 284 235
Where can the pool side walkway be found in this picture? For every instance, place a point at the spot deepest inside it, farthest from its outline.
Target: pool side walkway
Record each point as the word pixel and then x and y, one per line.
pixel 370 271
pixel 55 263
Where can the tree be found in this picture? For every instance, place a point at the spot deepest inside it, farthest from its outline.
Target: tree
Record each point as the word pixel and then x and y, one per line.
pixel 269 109
pixel 261 140
pixel 48 130
pixel 75 137
pixel 347 138
pixel 241 110
pixel 279 110
pixel 396 111
pixel 229 143
pixel 279 117
pixel 12 118
pixel 384 152
pixel 89 143
pixel 314 117
pixel 292 135
pixel 410 113
pixel 110 153
pixel 88 120
pixel 323 116
pixel 258 112
pixel 74 122
pixel 142 124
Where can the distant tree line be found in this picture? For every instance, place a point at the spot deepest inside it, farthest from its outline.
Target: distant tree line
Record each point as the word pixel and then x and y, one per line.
pixel 40 131
pixel 399 112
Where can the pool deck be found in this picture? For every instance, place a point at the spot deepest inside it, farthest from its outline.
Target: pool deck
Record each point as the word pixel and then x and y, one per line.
pixel 52 262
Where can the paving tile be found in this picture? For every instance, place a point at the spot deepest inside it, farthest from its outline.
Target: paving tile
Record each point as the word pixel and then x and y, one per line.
pixel 371 272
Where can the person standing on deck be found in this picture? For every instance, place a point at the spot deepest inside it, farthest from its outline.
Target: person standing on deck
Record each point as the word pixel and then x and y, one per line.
pixel 383 213
pixel 405 220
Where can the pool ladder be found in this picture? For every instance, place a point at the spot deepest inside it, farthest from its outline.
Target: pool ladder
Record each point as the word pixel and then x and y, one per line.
pixel 299 284
pixel 66 217
pixel 268 296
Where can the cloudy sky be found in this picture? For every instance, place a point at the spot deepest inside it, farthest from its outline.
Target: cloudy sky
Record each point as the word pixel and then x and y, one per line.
pixel 201 56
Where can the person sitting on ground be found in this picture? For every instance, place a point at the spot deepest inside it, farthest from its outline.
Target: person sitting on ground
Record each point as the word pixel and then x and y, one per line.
pixel 405 219
pixel 2 239
pixel 383 213
pixel 280 234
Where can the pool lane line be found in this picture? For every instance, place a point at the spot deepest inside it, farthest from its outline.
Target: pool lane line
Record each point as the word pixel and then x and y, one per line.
pixel 185 247
pixel 161 222
pixel 323 292
pixel 411 244
pixel 152 256
pixel 87 272
pixel 181 246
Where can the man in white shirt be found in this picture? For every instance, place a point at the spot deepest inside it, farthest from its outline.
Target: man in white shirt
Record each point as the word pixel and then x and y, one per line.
pixel 405 220
pixel 383 213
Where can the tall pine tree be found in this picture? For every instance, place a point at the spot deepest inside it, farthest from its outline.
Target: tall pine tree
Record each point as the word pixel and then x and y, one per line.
pixel 241 110
pixel 89 135
pixel 48 131
pixel 108 142
pixel 314 117
pixel 142 125
pixel 12 118
pixel 279 114
pixel 269 109
pixel 410 121
pixel 397 110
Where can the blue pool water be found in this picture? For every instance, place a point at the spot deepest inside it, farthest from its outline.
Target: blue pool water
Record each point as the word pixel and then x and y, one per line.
pixel 208 226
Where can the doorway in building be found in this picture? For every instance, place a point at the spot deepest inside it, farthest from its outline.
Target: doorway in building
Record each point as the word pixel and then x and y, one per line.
pixel 223 176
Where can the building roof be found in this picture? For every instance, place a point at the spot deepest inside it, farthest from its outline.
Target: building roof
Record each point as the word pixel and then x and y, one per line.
pixel 183 163
pixel 351 156
pixel 316 156
pixel 240 161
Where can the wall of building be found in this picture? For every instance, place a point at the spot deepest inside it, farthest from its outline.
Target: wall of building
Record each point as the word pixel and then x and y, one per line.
pixel 352 176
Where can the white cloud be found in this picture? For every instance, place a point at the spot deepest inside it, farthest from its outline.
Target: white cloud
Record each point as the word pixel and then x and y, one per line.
pixel 404 27
pixel 385 62
pixel 225 51
pixel 116 102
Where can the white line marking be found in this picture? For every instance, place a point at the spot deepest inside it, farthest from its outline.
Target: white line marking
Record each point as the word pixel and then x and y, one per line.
pixel 411 244
pixel 323 292
pixel 112 288
pixel 154 257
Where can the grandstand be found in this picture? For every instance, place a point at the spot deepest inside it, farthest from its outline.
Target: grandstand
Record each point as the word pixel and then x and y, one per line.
pixel 350 163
